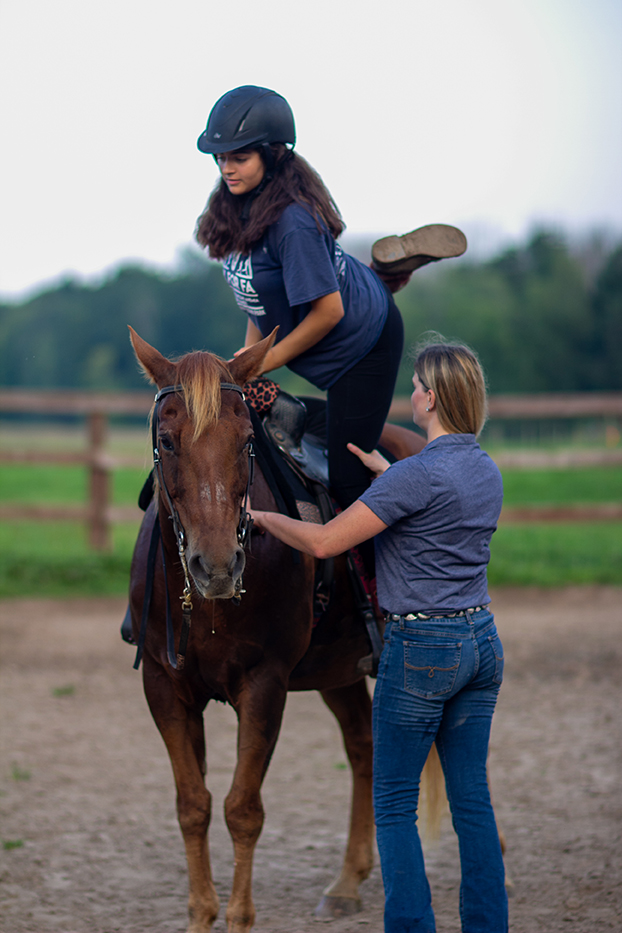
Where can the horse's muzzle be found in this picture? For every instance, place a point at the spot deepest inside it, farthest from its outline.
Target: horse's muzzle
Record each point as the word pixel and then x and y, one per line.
pixel 221 580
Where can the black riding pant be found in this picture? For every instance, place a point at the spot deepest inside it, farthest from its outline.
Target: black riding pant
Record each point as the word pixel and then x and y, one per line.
pixel 357 408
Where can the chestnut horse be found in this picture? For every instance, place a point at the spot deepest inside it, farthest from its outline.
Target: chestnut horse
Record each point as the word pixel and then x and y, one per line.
pixel 249 643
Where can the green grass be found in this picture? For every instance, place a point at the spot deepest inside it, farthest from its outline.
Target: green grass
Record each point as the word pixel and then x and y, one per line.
pixel 20 774
pixel 28 483
pixel 67 691
pixel 540 554
pixel 52 559
pixel 559 487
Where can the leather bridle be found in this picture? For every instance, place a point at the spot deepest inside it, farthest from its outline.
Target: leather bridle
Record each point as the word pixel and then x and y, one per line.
pixel 245 523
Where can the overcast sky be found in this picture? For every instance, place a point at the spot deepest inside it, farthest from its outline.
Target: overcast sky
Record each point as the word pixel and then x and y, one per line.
pixel 491 114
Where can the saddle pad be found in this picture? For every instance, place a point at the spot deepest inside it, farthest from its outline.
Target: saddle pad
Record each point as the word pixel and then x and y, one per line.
pixel 309 512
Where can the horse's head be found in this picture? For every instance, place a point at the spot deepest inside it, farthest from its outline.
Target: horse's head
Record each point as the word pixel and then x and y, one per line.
pixel 203 436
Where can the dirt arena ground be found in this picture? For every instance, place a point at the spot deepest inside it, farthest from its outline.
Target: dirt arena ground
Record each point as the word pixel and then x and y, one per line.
pixel 87 819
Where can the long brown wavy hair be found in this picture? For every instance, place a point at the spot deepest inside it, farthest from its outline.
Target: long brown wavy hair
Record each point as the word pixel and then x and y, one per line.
pixel 222 228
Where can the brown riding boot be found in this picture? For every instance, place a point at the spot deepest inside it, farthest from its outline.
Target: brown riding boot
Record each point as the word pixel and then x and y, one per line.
pixel 395 258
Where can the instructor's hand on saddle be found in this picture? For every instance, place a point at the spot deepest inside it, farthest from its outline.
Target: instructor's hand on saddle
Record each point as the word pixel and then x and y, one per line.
pixel 375 462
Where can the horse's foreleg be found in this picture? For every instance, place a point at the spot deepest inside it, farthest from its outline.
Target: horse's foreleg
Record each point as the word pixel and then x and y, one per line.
pixel 260 711
pixel 184 737
pixel 352 708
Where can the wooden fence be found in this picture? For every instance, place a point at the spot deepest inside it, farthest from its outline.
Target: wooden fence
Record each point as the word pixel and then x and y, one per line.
pixel 97 407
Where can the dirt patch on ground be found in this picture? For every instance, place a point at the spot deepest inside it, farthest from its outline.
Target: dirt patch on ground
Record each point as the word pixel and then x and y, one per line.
pixel 86 786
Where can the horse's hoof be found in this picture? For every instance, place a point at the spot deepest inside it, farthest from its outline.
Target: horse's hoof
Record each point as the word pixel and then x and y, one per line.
pixel 336 907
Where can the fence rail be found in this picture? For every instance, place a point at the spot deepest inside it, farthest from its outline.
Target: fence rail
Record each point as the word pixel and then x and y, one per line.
pixel 97 407
pixel 545 405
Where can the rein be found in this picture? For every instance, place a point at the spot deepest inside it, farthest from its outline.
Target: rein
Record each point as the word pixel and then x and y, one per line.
pixel 245 523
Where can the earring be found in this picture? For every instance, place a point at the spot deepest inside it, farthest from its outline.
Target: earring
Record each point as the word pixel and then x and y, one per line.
pixel 427 409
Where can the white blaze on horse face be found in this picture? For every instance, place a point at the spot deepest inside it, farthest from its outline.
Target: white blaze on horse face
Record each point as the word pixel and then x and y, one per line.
pixel 219 495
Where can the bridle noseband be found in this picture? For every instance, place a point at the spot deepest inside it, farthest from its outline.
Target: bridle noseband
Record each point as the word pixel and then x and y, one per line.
pixel 243 532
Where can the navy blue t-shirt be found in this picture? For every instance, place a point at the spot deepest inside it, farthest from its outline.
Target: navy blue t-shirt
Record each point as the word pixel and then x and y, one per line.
pixel 294 264
pixel 442 507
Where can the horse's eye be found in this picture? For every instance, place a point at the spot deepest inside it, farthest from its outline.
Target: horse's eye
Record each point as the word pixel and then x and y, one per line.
pixel 167 444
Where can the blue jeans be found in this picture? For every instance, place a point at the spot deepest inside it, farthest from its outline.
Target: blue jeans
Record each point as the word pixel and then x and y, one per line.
pixel 438 680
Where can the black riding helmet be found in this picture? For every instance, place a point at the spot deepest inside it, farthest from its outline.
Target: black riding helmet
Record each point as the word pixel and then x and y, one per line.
pixel 248 117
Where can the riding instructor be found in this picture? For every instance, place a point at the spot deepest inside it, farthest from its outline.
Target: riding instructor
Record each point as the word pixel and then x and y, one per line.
pixel 275 225
pixel 432 516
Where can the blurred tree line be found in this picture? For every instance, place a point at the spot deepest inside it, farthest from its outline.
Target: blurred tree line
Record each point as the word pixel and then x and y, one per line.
pixel 540 316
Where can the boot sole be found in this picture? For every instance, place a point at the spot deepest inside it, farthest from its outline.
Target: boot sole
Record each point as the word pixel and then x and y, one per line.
pixel 403 253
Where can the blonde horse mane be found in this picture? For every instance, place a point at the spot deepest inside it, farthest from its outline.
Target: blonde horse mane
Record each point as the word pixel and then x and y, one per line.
pixel 199 374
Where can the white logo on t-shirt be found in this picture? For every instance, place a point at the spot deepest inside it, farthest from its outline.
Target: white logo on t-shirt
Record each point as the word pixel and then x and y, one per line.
pixel 339 264
pixel 238 272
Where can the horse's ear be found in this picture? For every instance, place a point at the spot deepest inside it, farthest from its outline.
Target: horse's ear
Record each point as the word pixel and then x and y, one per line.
pixel 249 363
pixel 154 365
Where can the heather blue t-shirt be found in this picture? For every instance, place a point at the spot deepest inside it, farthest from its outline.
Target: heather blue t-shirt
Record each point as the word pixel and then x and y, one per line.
pixel 442 507
pixel 292 265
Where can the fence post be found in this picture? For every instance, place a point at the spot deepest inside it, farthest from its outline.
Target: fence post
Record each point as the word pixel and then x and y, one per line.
pixel 99 484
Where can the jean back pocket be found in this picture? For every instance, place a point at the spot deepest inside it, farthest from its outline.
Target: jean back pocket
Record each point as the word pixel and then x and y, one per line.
pixel 431 670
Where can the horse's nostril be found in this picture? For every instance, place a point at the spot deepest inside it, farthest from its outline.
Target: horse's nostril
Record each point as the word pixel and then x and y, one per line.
pixel 238 562
pixel 197 568
pixel 203 572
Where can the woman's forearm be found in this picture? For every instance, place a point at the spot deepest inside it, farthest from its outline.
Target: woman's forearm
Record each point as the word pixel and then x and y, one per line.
pixel 303 536
pixel 325 314
pixel 253 335
pixel 349 528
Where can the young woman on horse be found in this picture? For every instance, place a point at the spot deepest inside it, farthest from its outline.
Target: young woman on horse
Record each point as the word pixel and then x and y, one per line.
pixel 275 225
pixel 433 514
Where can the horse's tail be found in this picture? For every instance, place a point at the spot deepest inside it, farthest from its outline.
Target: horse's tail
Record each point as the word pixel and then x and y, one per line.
pixel 433 798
